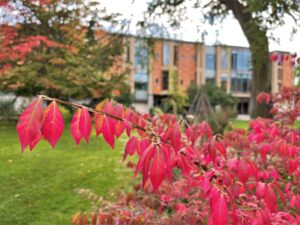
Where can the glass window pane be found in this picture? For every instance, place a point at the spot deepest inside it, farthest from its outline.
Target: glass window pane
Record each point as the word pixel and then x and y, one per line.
pixel 224 59
pixel 166 54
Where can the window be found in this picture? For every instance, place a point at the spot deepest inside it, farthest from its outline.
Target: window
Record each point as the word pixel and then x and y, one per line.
pixel 210 81
pixel 224 59
pixel 243 107
pixel 240 83
pixel 210 61
pixel 165 80
pixel 141 71
pixel 241 60
pixel 210 58
pixel 166 54
pixel 175 55
pixel 234 61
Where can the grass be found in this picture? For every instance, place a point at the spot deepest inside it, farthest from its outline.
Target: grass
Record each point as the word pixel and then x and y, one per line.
pixel 240 124
pixel 39 188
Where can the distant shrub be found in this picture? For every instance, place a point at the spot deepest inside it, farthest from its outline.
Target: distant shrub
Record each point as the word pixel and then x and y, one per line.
pixel 7 110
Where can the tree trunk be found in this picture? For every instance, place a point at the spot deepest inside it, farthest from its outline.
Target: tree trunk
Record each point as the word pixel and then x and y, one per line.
pixel 261 74
pixel 259 46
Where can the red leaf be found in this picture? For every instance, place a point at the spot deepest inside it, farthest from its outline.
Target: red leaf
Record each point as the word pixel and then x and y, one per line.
pixel 179 207
pixel 291 165
pixel 157 172
pixel 219 209
pixel 53 124
pixel 108 132
pixel 143 165
pixel 75 127
pixel 119 127
pixel 183 163
pixel 131 147
pixel 260 190
pixel 29 124
pixel 220 147
pixel 98 124
pixel 204 128
pixel 85 125
pixel 190 135
pixel 270 198
pixel 243 171
pixel 176 137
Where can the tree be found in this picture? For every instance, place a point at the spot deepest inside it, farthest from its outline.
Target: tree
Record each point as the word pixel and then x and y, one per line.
pixel 59 48
pixel 255 17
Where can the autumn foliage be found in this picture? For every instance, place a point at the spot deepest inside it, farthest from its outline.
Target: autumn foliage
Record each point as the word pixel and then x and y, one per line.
pixel 188 174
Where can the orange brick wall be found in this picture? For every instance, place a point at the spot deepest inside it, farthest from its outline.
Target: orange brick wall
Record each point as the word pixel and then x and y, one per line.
pixel 186 69
pixel 156 68
pixel 288 77
pixel 187 61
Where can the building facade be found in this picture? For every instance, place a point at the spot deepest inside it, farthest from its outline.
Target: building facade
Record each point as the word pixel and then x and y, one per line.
pixel 228 67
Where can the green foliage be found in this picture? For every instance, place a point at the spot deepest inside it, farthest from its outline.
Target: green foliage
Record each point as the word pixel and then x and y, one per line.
pixel 221 119
pixel 176 102
pixel 7 110
pixel 41 187
pixel 221 116
pixel 80 67
pixel 156 111
pixel 217 96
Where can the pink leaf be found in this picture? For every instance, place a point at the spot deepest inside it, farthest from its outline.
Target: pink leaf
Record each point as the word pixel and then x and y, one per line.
pixel 219 209
pixel 75 127
pixel 270 198
pixel 260 190
pixel 108 132
pixel 157 172
pixel 98 123
pixel 29 124
pixel 143 165
pixel 53 124
pixel 243 171
pixel 85 125
pixel 131 147
pixel 176 137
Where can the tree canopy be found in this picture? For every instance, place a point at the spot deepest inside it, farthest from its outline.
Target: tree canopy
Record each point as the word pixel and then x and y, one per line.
pixel 59 48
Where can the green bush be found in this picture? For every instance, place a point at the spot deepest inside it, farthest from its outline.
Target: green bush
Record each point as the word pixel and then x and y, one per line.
pixel 156 111
pixel 217 96
pixel 7 110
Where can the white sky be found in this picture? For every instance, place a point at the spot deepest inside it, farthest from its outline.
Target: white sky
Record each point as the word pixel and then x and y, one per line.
pixel 230 32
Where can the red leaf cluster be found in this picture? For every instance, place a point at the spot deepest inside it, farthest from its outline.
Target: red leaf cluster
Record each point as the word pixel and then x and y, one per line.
pixel 243 177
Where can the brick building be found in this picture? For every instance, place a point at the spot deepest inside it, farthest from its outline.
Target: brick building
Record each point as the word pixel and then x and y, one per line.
pixel 228 67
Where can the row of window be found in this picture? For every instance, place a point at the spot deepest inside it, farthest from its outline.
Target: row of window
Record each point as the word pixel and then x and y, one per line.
pixel 140 71
pixel 240 59
pixel 239 62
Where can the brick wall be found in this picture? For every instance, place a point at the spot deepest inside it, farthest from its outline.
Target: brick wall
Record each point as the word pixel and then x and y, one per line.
pixel 156 68
pixel 187 62
pixel 288 77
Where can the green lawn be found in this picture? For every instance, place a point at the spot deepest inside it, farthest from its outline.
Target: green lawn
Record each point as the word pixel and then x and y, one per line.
pixel 241 124
pixel 39 188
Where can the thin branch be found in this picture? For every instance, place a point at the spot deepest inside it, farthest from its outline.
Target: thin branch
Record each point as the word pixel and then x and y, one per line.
pixel 75 105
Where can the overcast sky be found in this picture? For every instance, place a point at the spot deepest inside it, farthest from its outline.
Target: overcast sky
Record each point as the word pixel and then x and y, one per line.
pixel 229 32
